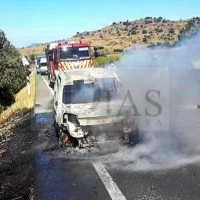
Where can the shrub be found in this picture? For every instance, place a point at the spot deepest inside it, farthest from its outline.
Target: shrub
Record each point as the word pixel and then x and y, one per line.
pixel 102 53
pixel 148 21
pixel 127 23
pixel 134 28
pixel 151 46
pixel 166 44
pixel 118 50
pixel 144 31
pixel 144 39
pixel 133 32
pixel 31 58
pixel 158 43
pixel 102 61
pixel 160 30
pixel 171 30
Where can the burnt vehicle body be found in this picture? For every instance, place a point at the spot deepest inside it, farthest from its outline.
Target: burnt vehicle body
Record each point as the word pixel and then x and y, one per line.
pixel 87 102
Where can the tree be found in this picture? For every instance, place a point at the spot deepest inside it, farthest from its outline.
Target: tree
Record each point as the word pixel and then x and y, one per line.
pixel 159 19
pixel 148 18
pixel 32 58
pixel 12 72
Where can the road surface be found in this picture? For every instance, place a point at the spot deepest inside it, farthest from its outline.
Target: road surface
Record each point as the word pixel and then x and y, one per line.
pixel 167 168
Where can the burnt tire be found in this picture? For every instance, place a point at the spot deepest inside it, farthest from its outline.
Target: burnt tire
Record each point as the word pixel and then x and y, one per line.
pixel 51 84
pixel 135 137
pixel 56 130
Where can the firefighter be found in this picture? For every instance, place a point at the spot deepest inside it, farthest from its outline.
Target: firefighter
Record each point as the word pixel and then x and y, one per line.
pixel 112 66
pixel 96 51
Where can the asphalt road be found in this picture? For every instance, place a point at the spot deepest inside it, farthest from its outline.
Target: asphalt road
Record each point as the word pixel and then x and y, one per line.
pixel 165 168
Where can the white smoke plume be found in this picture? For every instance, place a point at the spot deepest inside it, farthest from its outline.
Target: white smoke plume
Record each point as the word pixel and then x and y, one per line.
pixel 179 142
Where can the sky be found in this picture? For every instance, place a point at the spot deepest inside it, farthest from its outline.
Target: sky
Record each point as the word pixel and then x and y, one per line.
pixel 40 21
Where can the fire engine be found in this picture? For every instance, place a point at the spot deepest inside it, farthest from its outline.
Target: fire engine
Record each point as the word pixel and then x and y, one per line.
pixel 67 56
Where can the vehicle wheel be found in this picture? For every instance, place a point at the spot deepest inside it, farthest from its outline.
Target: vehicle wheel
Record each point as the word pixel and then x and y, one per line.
pixel 134 137
pixel 57 134
pixel 51 84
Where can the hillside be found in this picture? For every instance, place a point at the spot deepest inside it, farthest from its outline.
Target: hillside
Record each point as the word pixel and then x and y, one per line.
pixel 121 35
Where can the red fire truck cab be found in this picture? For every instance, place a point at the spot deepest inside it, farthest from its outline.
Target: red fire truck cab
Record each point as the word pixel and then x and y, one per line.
pixel 67 56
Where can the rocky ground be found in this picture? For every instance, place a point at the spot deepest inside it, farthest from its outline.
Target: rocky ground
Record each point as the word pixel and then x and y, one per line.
pixel 17 159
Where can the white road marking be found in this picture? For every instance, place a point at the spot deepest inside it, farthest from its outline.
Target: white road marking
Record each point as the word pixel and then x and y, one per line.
pixel 109 183
pixel 42 111
pixel 50 89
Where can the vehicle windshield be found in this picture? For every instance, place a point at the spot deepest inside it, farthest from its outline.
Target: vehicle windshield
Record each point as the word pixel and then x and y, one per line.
pixel 103 90
pixel 74 53
pixel 43 64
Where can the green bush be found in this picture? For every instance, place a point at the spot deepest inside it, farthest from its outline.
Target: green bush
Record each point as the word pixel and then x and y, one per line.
pixel 102 61
pixel 160 30
pixel 133 32
pixel 102 53
pixel 171 30
pixel 144 32
pixel 118 50
pixel 144 39
pixel 31 58
pixel 12 72
pixel 134 28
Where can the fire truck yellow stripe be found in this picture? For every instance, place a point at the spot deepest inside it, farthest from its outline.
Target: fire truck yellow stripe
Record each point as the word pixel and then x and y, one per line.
pixel 75 65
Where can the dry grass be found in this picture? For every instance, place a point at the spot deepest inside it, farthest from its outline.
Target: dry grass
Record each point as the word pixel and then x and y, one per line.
pixel 118 36
pixel 23 102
